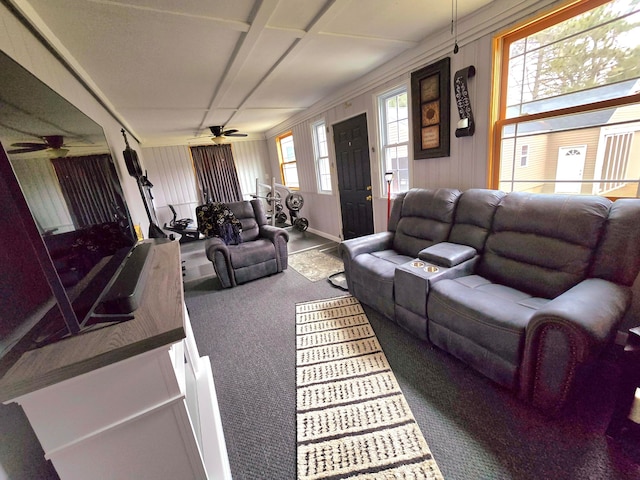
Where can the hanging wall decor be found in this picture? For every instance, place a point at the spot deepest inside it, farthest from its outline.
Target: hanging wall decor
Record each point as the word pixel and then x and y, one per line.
pixel 466 125
pixel 430 104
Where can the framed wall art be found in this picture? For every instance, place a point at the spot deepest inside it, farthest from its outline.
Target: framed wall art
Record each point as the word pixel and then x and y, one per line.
pixel 430 110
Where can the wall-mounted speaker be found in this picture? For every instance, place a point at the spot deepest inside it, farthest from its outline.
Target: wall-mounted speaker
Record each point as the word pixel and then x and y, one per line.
pixel 131 158
pixel 133 165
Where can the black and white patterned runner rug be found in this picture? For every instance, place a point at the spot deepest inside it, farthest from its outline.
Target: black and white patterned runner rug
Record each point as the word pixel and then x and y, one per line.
pixel 353 421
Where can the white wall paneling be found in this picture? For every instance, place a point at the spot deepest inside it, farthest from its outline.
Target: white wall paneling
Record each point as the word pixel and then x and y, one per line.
pixel 170 170
pixel 38 180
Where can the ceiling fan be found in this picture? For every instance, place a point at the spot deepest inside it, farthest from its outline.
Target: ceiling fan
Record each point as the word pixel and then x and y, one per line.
pixel 49 142
pixel 219 132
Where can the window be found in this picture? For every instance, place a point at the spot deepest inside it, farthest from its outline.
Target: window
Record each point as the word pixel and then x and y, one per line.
pixel 567 102
pixel 524 155
pixel 287 156
pixel 394 136
pixel 321 155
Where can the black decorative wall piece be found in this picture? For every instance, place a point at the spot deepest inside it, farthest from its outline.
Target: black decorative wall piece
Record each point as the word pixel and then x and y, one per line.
pixel 466 125
pixel 430 107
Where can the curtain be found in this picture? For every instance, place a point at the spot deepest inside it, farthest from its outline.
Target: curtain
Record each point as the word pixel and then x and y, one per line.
pixel 216 173
pixel 91 188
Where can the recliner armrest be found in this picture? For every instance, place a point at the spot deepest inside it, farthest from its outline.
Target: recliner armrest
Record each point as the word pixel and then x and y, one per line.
pixel 212 244
pixel 271 232
pixel 569 331
pixel 447 254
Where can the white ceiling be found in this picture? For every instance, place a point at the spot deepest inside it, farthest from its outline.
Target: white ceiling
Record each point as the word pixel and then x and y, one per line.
pixel 171 68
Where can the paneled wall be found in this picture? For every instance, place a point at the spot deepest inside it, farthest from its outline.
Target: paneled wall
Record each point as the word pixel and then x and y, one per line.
pixel 466 166
pixel 170 170
pixel 38 181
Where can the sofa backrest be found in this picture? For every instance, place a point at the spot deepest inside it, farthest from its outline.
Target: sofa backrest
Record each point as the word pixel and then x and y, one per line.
pixel 617 258
pixel 474 216
pixel 425 218
pixel 543 244
pixel 251 215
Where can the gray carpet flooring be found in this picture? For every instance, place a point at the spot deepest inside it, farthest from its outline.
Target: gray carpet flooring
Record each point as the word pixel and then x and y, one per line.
pixel 474 428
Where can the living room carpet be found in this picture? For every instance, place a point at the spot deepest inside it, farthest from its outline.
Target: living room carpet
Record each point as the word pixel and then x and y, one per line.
pixel 352 418
pixel 315 264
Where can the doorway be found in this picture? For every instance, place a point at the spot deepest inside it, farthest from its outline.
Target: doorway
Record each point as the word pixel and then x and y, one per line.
pixel 570 167
pixel 354 176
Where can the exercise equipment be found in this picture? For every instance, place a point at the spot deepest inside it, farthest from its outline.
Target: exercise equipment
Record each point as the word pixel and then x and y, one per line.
pixel 181 226
pixel 273 198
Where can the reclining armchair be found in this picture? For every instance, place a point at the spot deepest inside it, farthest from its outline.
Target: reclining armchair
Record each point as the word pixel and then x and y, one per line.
pixel 262 250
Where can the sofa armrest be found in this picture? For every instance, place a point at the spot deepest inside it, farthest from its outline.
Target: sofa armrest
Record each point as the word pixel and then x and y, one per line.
pixel 565 334
pixel 350 249
pixel 447 254
pixel 369 243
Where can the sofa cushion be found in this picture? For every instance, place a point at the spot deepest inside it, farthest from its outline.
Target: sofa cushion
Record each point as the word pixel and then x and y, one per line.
pixel 474 216
pixel 245 212
pixel 543 244
pixel 425 219
pixel 493 317
pixel 620 240
pixel 255 252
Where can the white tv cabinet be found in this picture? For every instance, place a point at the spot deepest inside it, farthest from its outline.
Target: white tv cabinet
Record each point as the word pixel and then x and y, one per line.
pixel 129 401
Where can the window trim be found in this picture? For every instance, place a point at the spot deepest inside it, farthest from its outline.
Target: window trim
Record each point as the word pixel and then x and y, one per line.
pixel 500 48
pixel 317 157
pixel 380 98
pixel 281 161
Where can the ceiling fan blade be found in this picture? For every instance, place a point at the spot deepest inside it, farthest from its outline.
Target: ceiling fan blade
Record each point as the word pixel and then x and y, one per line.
pixel 25 150
pixel 235 134
pixel 41 146
pixel 230 131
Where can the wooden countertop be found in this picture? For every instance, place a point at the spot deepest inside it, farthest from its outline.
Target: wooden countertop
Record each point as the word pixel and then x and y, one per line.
pixel 158 321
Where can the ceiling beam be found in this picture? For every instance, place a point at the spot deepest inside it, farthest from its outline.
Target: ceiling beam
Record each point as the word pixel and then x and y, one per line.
pixel 225 22
pixel 331 9
pixel 246 45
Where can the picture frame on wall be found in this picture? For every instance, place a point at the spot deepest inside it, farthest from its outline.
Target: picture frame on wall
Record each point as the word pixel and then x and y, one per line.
pixel 431 110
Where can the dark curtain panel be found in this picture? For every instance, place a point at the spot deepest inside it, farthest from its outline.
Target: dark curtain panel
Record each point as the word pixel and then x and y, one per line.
pixel 216 173
pixel 91 189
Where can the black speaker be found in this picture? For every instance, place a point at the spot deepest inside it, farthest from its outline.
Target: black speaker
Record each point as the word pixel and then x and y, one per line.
pixel 133 165
pixel 131 158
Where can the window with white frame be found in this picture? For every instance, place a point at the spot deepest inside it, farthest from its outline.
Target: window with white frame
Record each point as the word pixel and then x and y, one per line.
pixel 321 155
pixel 393 111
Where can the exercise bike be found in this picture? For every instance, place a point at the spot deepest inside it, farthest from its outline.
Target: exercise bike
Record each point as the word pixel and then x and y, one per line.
pixel 181 226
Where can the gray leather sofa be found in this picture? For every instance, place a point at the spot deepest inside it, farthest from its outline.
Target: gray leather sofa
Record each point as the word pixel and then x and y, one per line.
pixel 262 251
pixel 528 289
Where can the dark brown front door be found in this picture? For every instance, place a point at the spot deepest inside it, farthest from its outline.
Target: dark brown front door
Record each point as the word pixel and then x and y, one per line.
pixel 354 176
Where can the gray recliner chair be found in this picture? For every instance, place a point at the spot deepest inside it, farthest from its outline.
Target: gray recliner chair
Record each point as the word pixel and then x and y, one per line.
pixel 262 251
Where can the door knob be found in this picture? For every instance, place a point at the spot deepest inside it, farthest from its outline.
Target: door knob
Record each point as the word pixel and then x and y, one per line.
pixel 369 188
pixel 369 198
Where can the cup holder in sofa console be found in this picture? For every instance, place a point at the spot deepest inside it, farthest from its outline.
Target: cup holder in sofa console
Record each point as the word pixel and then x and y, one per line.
pixel 412 281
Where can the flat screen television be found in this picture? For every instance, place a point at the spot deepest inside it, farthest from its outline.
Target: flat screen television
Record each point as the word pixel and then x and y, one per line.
pixel 35 306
